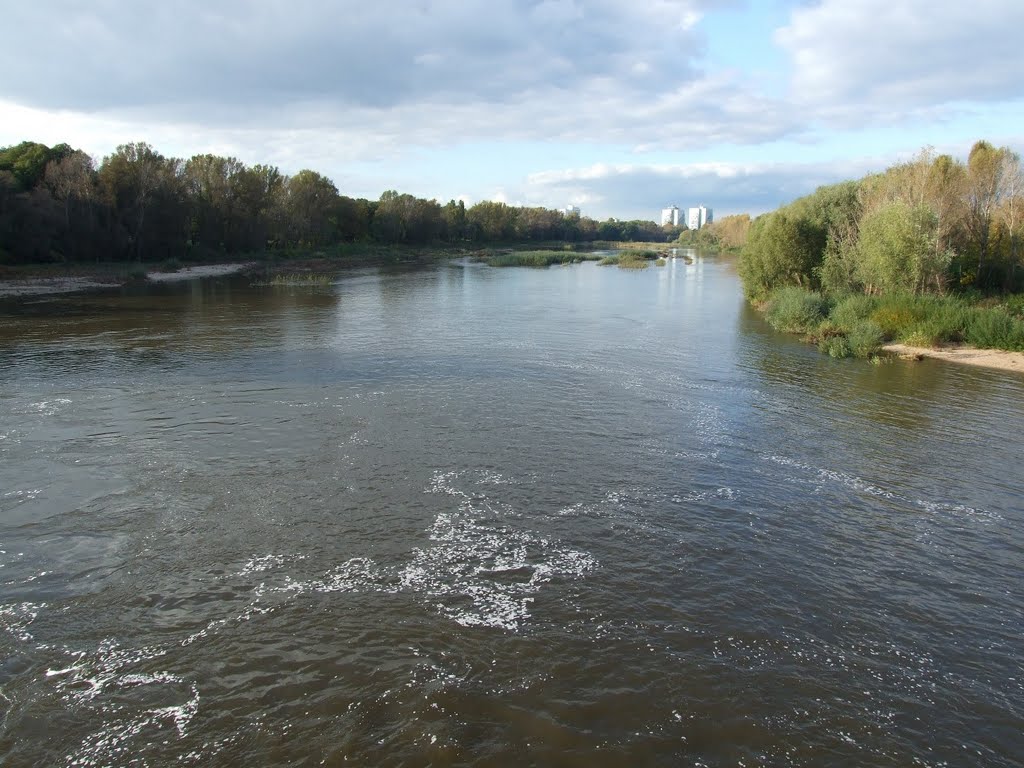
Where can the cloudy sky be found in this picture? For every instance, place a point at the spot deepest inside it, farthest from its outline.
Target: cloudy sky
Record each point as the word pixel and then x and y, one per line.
pixel 618 106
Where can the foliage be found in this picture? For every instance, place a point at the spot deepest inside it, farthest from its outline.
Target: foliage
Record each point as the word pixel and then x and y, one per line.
pixel 925 225
pixel 865 339
pixel 867 322
pixel 533 258
pixel 781 250
pixel 994 328
pixel 898 249
pixel 636 259
pixel 57 205
pixel 795 310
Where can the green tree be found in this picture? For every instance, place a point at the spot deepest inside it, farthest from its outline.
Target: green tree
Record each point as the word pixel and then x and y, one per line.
pixel 782 249
pixel 897 249
pixel 311 205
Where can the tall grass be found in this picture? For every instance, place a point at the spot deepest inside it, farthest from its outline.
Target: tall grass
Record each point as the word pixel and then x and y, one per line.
pixel 543 258
pixel 299 279
pixel 859 325
pixel 795 310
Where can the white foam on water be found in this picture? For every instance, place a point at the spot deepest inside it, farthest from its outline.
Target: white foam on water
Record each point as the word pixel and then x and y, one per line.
pixel 120 741
pixel 727 493
pixel 261 563
pixel 46 407
pixel 21 496
pixel 824 476
pixel 475 573
pixel 16 618
pixel 485 574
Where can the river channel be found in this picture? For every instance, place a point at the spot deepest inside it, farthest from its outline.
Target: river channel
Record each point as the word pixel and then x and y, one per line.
pixel 459 515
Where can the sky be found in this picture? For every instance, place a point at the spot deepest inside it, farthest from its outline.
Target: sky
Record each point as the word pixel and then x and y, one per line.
pixel 620 107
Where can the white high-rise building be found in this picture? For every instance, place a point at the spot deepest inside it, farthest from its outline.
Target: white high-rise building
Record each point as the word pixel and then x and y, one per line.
pixel 670 215
pixel 571 210
pixel 698 217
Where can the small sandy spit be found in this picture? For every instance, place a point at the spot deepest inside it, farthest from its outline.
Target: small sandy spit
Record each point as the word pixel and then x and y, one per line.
pixel 191 273
pixel 44 286
pixel 987 358
pixel 41 286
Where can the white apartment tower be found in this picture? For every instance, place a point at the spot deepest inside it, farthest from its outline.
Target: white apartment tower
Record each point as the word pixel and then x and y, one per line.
pixel 698 217
pixel 670 215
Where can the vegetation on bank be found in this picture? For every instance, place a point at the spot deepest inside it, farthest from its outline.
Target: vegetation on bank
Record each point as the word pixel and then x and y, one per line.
pixel 59 206
pixel 859 325
pixel 728 234
pixel 925 253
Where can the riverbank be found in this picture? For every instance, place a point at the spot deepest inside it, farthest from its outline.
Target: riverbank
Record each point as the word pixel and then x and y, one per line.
pixel 984 358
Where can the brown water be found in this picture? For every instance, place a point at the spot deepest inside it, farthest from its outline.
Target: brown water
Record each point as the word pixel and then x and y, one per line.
pixel 462 515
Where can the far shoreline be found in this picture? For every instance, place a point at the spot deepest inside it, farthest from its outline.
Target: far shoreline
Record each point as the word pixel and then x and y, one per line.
pixel 997 359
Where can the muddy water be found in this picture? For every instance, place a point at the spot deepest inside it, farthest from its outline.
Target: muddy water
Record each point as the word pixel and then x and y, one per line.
pixel 574 516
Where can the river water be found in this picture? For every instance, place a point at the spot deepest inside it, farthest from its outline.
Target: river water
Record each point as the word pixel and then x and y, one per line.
pixel 577 516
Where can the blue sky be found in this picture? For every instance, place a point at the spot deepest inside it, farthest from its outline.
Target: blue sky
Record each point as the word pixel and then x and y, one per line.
pixel 618 107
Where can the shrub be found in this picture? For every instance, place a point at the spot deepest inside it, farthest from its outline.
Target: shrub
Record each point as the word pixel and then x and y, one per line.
pixel 835 346
pixel 865 339
pixel 1014 305
pixel 631 260
pixel 994 328
pixel 946 321
pixel 853 309
pixel 796 310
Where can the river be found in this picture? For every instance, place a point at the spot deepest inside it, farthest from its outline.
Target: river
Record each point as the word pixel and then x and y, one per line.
pixel 578 516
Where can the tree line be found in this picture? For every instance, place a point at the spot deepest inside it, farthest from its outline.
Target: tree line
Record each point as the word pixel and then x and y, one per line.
pixel 930 225
pixel 57 204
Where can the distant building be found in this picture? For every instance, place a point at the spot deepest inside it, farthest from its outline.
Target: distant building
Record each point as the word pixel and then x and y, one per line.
pixel 698 217
pixel 571 210
pixel 670 215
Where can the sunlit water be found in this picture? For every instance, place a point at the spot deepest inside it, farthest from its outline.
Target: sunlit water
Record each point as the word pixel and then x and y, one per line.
pixel 462 515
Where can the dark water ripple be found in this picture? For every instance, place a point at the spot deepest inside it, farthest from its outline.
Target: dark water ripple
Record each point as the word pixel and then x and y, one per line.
pixel 573 516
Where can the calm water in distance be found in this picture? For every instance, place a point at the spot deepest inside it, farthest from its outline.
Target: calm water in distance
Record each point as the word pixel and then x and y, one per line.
pixel 577 516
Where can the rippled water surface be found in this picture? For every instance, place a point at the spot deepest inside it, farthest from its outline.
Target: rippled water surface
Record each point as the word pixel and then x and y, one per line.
pixel 470 516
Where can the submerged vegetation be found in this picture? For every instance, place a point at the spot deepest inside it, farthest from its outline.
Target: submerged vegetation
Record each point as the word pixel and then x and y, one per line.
pixel 926 253
pixel 300 279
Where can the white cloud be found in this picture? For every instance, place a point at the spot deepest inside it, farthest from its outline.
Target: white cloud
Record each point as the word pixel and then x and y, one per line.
pixel 641 190
pixel 872 59
pixel 363 91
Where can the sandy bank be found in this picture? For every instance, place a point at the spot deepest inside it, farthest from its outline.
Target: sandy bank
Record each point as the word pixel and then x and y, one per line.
pixel 191 273
pixel 41 286
pixel 987 358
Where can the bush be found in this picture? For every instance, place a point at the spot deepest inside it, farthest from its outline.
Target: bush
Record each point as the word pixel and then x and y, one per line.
pixel 632 260
pixel 852 310
pixel 835 346
pixel 1014 305
pixel 865 339
pixel 946 321
pixel 796 310
pixel 994 328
